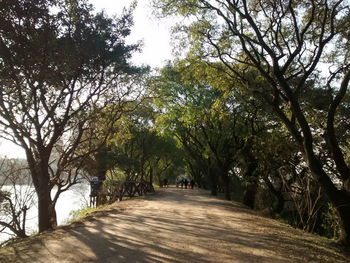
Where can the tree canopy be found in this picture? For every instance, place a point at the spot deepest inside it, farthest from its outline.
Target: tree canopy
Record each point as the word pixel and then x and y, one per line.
pixel 256 104
pixel 59 65
pixel 290 45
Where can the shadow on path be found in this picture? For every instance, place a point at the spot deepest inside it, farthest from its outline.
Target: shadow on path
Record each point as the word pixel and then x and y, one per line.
pixel 177 225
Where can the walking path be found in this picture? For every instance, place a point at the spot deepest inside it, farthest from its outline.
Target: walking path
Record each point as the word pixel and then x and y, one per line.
pixel 175 225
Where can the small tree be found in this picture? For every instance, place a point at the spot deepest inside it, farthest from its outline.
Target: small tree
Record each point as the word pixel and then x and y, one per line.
pixel 16 197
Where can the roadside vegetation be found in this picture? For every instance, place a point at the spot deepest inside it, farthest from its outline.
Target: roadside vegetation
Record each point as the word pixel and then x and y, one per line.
pixel 254 107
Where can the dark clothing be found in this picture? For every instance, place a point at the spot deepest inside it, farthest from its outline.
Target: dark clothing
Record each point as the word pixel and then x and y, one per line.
pixel 192 184
pixel 186 183
pixel 182 183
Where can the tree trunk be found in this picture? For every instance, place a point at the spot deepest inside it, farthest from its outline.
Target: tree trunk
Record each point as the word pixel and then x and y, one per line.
pixel 277 193
pixel 213 182
pixel 21 233
pixel 46 210
pixel 250 195
pixel 341 201
pixel 102 175
pixel 252 186
pixel 227 190
pixel 151 175
pixel 339 198
pixel 280 203
pixel 47 218
pixel 160 183
pixel 344 212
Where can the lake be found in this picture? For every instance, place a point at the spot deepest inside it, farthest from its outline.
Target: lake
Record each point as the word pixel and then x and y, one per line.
pixel 75 198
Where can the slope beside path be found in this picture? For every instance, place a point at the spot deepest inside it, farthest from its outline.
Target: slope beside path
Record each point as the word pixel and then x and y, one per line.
pixel 175 225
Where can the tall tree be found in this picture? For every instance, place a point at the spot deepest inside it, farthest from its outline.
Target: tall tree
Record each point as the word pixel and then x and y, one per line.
pixel 139 142
pixel 206 121
pixel 290 44
pixel 59 63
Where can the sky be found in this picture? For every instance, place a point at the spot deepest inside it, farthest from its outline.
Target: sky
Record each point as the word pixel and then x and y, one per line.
pixel 154 34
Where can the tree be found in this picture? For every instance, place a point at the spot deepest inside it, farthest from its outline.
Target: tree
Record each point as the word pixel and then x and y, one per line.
pixel 143 151
pixel 206 121
pixel 59 65
pixel 16 197
pixel 289 43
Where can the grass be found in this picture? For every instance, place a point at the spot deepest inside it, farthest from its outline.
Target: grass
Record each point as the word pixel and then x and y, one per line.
pixel 82 213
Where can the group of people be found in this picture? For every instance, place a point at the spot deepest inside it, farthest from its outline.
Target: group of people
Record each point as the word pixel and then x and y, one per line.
pixel 165 183
pixel 185 183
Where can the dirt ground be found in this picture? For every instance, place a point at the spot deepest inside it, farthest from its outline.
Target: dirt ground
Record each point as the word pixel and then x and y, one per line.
pixel 175 225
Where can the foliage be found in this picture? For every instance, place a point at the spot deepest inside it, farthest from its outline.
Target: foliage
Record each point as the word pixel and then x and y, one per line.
pixel 287 44
pixel 60 66
pixel 79 214
pixel 330 226
pixel 205 120
pixel 134 150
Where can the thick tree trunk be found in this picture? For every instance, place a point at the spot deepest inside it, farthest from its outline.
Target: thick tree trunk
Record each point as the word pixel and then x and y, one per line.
pixel 252 185
pixel 344 212
pixel 41 180
pixel 46 210
pixel 250 194
pixel 341 201
pixel 195 174
pixel 339 198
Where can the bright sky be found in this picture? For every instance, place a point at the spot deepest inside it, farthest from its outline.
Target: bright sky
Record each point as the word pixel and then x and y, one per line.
pixel 155 34
pixel 156 50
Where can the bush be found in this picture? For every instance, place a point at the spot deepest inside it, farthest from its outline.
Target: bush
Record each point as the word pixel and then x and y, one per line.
pixel 330 222
pixel 80 214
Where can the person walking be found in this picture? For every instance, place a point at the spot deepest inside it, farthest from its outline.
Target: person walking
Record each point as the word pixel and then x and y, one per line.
pixel 186 183
pixel 165 182
pixel 192 183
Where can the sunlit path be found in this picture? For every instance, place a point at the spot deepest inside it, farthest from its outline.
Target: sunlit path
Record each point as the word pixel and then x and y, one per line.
pixel 174 225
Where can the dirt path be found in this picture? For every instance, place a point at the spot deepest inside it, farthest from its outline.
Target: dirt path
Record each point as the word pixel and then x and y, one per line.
pixel 175 225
